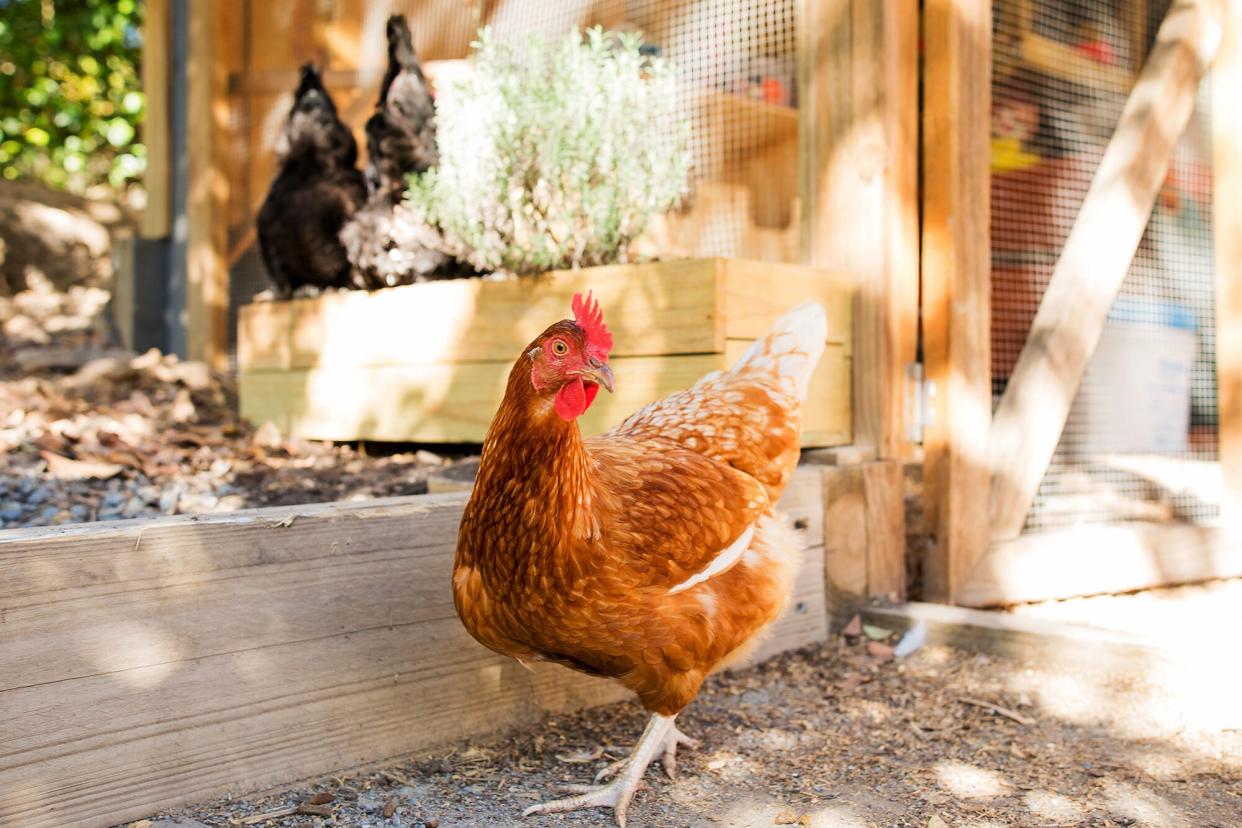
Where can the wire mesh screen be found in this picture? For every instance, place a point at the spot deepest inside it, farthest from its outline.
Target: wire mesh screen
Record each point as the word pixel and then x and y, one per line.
pixel 1140 440
pixel 735 60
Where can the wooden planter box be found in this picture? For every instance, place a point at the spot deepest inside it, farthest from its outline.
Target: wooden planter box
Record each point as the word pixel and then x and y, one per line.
pixel 429 362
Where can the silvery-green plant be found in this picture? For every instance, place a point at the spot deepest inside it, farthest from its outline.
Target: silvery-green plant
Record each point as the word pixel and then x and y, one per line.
pixel 554 155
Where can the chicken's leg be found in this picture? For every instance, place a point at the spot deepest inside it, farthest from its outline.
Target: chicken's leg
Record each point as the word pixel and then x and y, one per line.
pixel 669 759
pixel 617 794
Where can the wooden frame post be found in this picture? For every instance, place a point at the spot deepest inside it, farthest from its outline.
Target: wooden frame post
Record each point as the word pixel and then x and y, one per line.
pixel 207 276
pixel 156 64
pixel 858 178
pixel 956 276
pixel 1227 206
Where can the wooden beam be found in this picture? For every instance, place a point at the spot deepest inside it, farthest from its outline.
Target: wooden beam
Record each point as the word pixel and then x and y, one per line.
pixel 1227 206
pixel 148 664
pixel 207 277
pixel 858 174
pixel 886 529
pixel 864 541
pixel 956 285
pixel 1050 643
pixel 156 64
pixel 1095 260
pixel 1095 560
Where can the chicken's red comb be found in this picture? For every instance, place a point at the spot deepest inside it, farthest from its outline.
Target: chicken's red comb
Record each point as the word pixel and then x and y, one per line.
pixel 591 319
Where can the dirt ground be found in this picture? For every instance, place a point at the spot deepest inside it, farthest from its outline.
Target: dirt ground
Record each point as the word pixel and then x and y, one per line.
pixel 828 736
pixel 90 432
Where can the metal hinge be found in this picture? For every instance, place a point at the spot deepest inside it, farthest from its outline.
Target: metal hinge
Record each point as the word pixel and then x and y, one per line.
pixel 920 398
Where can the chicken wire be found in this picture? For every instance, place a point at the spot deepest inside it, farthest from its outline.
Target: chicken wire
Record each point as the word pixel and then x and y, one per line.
pixel 735 61
pixel 1141 439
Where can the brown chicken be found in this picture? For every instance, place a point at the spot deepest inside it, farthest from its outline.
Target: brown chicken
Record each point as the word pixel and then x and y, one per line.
pixel 651 554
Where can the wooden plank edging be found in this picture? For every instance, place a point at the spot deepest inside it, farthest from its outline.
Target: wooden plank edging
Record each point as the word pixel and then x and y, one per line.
pixel 147 664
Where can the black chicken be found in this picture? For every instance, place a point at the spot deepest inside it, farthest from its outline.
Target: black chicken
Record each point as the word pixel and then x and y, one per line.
pixel 387 243
pixel 317 188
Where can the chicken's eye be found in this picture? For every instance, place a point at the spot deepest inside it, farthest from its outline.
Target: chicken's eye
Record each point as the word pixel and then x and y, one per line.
pixel 559 348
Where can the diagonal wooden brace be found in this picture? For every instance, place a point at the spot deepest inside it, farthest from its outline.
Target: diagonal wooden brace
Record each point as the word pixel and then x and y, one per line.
pixel 1097 255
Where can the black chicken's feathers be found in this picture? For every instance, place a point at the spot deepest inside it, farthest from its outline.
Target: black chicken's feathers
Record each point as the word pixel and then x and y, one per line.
pixel 387 244
pixel 317 188
pixel 401 134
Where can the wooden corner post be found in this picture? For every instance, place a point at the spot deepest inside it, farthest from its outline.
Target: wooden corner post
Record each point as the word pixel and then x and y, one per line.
pixel 858 180
pixel 956 277
pixel 207 276
pixel 156 63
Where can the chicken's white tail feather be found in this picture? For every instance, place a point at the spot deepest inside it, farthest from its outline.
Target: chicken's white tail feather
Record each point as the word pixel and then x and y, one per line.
pixel 792 348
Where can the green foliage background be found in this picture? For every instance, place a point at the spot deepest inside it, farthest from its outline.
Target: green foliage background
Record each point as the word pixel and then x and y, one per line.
pixel 71 98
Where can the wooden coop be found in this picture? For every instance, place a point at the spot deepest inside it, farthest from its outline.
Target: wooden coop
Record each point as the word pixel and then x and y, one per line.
pixel 1024 200
pixel 1024 216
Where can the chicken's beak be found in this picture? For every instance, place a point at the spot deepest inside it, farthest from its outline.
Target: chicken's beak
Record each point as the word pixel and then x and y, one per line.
pixel 598 372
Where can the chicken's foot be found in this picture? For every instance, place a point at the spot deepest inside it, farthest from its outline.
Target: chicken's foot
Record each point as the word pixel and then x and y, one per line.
pixel 668 759
pixel 618 793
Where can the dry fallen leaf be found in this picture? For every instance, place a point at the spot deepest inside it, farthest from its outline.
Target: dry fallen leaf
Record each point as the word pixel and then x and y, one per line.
pixel 321 798
pixel 786 817
pixel 62 468
pixel 876 633
pixel 581 757
pixel 877 650
pixel 472 753
pixel 183 410
pixel 853 680
pixel 936 822
pixel 390 807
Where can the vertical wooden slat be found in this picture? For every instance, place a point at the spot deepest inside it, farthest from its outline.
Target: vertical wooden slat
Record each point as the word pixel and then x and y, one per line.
pixel 886 537
pixel 213 28
pixel 858 167
pixel 1227 204
pixel 156 63
pixel 956 277
pixel 1095 260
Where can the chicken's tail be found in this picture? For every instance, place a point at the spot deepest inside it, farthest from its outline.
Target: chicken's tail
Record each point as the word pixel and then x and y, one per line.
pixel 791 349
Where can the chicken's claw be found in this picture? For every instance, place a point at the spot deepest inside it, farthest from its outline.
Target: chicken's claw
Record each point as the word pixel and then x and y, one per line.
pixel 616 795
pixel 668 758
pixel 661 736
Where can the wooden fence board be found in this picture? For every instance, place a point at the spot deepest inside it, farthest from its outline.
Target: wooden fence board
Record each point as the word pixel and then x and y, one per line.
pixel 956 285
pixel 147 664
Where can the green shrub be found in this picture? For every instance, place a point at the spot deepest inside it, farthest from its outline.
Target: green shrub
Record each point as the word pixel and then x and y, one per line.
pixel 70 96
pixel 554 155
